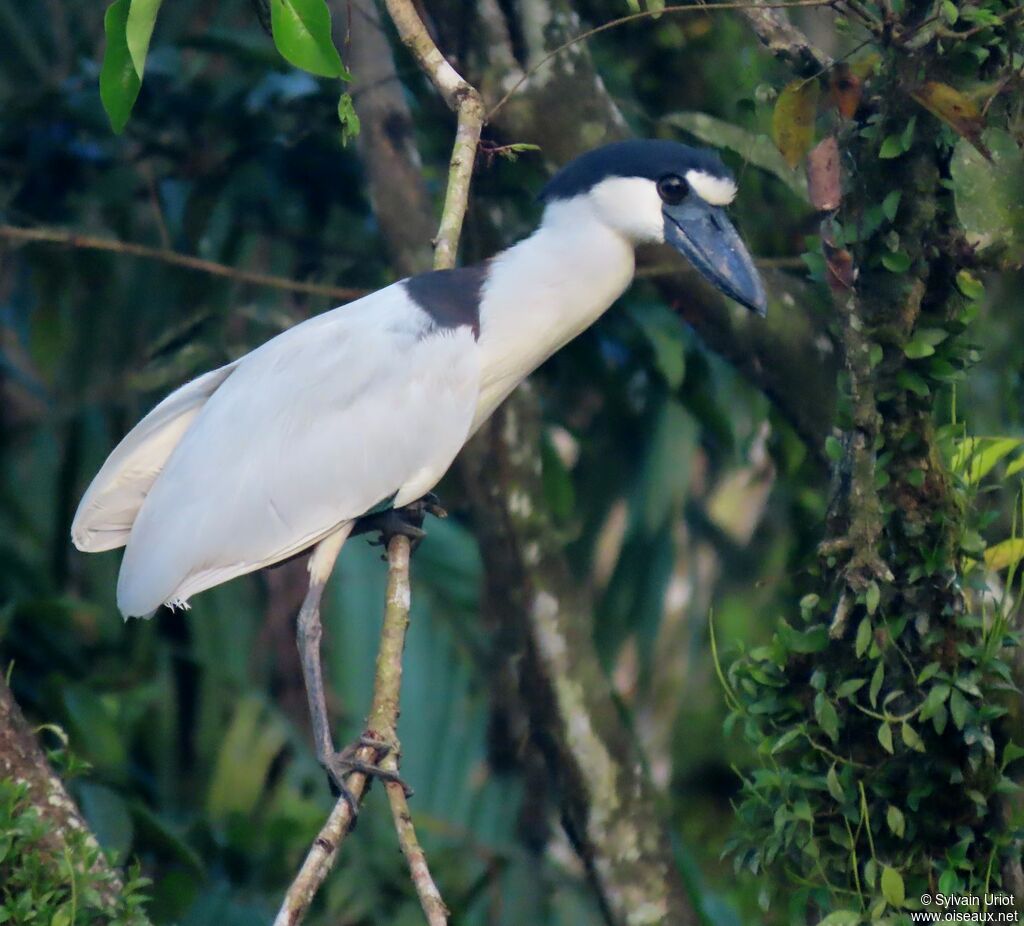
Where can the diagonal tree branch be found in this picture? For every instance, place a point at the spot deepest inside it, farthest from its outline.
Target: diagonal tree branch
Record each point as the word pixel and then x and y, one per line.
pixel 785 41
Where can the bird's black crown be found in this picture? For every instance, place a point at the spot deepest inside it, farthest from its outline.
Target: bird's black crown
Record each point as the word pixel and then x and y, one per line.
pixel 648 158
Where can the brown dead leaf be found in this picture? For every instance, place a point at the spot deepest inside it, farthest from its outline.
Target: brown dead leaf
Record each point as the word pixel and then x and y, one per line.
pixel 793 120
pixel 823 175
pixel 956 109
pixel 845 88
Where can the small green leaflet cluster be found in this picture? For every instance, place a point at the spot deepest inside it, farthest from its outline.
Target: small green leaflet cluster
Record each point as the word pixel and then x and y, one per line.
pixel 38 885
pixel 301 30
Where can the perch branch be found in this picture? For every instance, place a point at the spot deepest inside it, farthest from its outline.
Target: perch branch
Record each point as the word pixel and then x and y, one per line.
pixel 176 258
pixel 382 722
pixel 381 727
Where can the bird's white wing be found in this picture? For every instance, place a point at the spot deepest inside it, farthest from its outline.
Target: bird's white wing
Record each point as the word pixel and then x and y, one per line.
pixel 108 508
pixel 309 431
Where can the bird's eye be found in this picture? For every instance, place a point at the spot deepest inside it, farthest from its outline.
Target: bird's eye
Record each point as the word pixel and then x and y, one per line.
pixel 672 189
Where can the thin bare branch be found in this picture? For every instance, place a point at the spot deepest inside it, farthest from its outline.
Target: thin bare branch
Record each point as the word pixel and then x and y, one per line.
pixel 463 99
pixel 632 17
pixel 61 236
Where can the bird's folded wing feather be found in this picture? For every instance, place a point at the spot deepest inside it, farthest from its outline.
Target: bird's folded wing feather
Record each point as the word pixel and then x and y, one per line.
pixel 309 431
pixel 108 508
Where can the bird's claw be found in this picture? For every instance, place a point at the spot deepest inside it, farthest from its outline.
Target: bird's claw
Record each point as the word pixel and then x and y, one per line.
pixel 401 522
pixel 344 763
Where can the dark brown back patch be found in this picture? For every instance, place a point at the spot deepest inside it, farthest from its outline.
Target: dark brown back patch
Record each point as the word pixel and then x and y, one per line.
pixel 450 297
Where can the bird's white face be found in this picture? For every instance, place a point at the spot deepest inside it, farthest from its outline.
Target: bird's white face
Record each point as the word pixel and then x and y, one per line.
pixel 634 206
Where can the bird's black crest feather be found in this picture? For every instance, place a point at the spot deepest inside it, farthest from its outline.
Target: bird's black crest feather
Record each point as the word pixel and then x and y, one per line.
pixel 649 158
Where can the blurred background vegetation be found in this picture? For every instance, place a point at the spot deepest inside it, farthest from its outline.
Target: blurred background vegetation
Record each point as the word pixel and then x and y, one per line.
pixel 676 485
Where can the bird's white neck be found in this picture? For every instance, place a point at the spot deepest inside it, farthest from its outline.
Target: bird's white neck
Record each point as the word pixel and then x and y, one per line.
pixel 545 290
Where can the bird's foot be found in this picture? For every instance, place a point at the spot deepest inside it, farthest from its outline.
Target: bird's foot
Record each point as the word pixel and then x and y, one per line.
pixel 345 763
pixel 401 522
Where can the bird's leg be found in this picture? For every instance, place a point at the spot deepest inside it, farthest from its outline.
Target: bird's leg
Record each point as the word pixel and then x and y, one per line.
pixel 406 521
pixel 309 634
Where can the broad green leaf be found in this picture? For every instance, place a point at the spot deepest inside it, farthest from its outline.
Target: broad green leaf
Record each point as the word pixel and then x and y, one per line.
pixel 958 709
pixel 758 150
pixel 885 737
pixel 139 30
pixel 894 818
pixel 793 120
pixel 990 194
pixel 834 787
pixel 863 640
pixel 302 34
pixel 892 887
pixel 119 81
pixel 872 597
pixel 1005 553
pixel 827 718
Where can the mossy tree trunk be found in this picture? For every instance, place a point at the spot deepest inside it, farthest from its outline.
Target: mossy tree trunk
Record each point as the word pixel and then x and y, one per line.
pixel 876 708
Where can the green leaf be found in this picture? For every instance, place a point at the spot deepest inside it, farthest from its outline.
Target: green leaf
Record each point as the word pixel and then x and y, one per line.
pixel 302 34
pixel 897 823
pixel 911 738
pixel 949 12
pixel 833 448
pixel 892 886
pixel 841 918
pixel 849 687
pixel 892 147
pixel 872 597
pixel 915 350
pixel 834 787
pixel 812 640
pixel 885 737
pixel 891 204
pixel 958 708
pixel 896 262
pixel 139 30
pixel 970 285
pixel 119 81
pixel 1005 553
pixel 827 717
pixel 863 640
pixel 877 678
pixel 1012 753
pixel 913 383
pixel 989 195
pixel 348 118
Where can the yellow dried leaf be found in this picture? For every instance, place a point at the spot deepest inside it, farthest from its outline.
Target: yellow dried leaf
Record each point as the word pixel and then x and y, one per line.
pixel 954 108
pixel 793 120
pixel 1004 554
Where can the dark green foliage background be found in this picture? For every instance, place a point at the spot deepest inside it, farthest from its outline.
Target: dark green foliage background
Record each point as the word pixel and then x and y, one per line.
pixel 200 764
